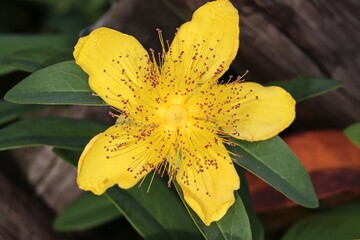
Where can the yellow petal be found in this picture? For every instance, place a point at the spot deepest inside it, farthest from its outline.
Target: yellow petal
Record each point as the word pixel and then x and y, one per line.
pixel 120 156
pixel 246 111
pixel 203 48
pixel 117 66
pixel 207 176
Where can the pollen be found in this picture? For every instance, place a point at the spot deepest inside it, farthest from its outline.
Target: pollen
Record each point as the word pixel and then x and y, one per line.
pixel 176 116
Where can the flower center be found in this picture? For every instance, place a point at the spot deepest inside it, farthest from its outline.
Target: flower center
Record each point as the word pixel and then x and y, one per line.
pixel 176 116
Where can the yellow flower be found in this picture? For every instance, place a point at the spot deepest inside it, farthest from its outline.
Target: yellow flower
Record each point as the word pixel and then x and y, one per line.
pixel 174 114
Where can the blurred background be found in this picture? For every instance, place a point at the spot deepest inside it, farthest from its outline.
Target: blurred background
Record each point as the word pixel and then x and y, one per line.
pixel 280 40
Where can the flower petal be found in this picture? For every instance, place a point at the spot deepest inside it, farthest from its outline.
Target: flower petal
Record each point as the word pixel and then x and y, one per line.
pixel 246 111
pixel 117 66
pixel 120 155
pixel 203 48
pixel 207 176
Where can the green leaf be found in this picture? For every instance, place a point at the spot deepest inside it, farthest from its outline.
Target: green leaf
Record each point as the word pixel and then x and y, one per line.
pixel 307 87
pixel 70 156
pixel 157 214
pixel 85 212
pixel 257 229
pixel 60 84
pixel 333 224
pixel 21 43
pixel 353 133
pixel 5 69
pixel 10 111
pixel 234 225
pixel 35 59
pixel 58 132
pixel 274 162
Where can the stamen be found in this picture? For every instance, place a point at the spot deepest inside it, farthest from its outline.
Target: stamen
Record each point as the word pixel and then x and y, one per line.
pixel 153 60
pixel 113 115
pixel 242 77
pixel 161 41
pixel 150 183
pixel 173 120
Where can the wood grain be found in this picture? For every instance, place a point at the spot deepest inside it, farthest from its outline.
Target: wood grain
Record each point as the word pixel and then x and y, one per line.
pixel 279 40
pixel 53 179
pixel 331 160
pixel 23 216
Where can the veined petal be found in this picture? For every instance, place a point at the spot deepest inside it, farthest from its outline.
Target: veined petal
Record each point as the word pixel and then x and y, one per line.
pixel 207 176
pixel 121 155
pixel 117 65
pixel 246 111
pixel 203 48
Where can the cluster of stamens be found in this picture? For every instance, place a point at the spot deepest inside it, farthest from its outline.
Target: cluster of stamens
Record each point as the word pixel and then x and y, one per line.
pixel 168 112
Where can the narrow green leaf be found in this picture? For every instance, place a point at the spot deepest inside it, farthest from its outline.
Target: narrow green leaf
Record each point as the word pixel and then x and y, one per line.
pixel 353 133
pixel 85 212
pixel 234 225
pixel 137 216
pixel 333 224
pixel 21 43
pixel 58 132
pixel 10 111
pixel 5 69
pixel 257 229
pixel 303 88
pixel 60 84
pixel 157 214
pixel 18 42
pixel 70 156
pixel 88 210
pixel 35 59
pixel 274 162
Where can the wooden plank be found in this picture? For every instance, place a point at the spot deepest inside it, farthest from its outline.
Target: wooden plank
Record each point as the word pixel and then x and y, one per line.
pixel 22 216
pixel 279 39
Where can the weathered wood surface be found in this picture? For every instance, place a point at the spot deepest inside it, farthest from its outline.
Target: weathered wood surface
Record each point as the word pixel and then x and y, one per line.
pixel 22 216
pixel 52 178
pixel 279 40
